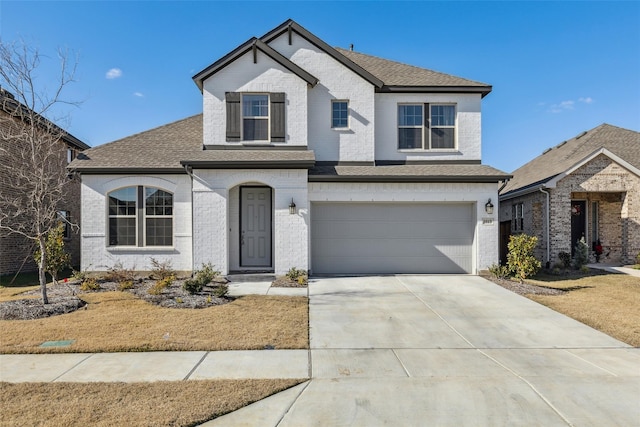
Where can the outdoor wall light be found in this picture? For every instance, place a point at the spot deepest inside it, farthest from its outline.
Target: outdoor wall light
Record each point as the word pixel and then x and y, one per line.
pixel 489 207
pixel 292 208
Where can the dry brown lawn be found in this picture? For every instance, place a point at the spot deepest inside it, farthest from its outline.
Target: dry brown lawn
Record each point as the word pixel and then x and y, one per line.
pixel 609 303
pixel 163 403
pixel 118 321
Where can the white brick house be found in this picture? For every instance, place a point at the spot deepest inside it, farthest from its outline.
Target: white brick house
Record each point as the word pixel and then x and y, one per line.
pixel 382 161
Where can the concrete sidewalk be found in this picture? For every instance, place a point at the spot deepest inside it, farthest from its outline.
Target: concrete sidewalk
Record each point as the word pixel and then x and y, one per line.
pixel 614 268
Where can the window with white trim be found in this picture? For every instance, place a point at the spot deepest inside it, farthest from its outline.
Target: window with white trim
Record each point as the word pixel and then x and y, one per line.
pixel 339 114
pixel 140 216
pixel 65 218
pixel 431 131
pixel 255 117
pixel 517 213
pixel 71 154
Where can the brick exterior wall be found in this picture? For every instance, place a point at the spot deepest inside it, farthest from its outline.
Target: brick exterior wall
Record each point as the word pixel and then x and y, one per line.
pixel 601 180
pixel 16 251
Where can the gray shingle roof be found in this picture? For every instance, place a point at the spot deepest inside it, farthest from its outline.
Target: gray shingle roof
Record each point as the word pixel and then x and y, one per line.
pixel 409 173
pixel 159 149
pixel 398 74
pixel 167 148
pixel 624 143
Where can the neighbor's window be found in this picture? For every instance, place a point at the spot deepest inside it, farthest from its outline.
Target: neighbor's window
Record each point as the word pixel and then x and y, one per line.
pixel 71 154
pixel 65 218
pixel 140 216
pixel 339 114
pixel 518 216
pixel 431 131
pixel 255 117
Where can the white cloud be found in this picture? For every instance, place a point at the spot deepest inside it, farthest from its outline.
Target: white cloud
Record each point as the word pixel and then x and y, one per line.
pixel 138 94
pixel 587 100
pixel 562 106
pixel 114 73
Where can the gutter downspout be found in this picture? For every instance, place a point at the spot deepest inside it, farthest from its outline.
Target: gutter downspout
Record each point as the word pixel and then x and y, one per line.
pixel 189 172
pixel 548 221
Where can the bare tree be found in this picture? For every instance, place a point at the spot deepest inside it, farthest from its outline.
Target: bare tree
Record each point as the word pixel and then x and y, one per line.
pixel 32 152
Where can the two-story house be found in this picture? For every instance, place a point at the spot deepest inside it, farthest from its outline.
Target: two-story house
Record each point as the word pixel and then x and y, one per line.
pixel 16 251
pixel 305 156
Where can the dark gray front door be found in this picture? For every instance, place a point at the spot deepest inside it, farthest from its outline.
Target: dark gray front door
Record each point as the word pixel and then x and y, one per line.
pixel 578 222
pixel 255 227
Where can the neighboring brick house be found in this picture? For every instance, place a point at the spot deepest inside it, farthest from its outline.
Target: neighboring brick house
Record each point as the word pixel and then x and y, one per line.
pixel 588 186
pixel 16 251
pixel 305 156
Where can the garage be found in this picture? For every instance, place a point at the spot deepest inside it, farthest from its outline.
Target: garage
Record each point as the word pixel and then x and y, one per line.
pixel 387 238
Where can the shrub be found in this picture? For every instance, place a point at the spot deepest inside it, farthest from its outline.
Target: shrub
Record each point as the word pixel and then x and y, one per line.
pixel 303 280
pixel 90 284
pixel 200 278
pixel 80 276
pixel 161 285
pixel 500 271
pixel 565 258
pixel 221 290
pixel 119 274
pixel 123 286
pixel 56 257
pixel 581 254
pixel 161 270
pixel 294 273
pixel 520 257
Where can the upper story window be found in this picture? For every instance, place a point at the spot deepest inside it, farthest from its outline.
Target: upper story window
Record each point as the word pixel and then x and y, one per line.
pixel 140 216
pixel 71 154
pixel 518 216
pixel 255 117
pixel 426 126
pixel 339 114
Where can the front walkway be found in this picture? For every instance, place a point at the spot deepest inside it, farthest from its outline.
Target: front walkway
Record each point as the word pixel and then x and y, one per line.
pixel 614 268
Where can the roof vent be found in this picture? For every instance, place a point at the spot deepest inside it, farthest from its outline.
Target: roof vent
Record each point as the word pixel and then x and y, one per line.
pixel 561 144
pixel 351 47
pixel 546 151
pixel 581 135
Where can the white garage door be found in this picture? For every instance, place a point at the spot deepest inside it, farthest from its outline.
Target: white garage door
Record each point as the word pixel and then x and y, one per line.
pixel 378 238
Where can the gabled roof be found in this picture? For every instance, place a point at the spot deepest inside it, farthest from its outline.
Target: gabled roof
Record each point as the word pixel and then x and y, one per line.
pixel 291 26
pixel 621 145
pixel 16 109
pixel 255 45
pixel 399 77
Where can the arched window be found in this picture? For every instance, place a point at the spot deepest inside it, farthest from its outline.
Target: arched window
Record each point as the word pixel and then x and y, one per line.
pixel 140 216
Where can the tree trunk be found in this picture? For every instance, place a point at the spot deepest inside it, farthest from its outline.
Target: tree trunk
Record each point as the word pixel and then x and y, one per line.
pixel 41 269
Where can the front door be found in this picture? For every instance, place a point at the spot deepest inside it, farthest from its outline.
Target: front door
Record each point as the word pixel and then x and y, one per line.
pixel 578 222
pixel 255 227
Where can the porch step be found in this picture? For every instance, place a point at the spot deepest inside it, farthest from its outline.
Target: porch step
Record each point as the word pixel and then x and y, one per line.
pixel 251 277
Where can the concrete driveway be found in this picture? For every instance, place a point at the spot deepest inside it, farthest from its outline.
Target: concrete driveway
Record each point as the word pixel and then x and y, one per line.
pixel 450 351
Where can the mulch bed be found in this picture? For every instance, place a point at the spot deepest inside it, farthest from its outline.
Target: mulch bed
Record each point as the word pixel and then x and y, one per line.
pixel 285 282
pixel 525 288
pixel 67 297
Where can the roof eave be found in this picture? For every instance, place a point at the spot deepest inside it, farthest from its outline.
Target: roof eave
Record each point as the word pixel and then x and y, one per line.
pixel 245 164
pixel 408 178
pixel 127 170
pixel 483 90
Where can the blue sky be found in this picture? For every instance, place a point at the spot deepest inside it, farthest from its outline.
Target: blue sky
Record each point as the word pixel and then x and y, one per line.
pixel 557 68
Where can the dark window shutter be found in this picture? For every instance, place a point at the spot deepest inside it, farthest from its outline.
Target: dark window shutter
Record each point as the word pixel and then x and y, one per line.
pixel 233 116
pixel 278 129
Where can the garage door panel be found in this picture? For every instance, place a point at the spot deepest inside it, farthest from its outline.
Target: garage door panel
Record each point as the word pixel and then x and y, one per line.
pixel 375 238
